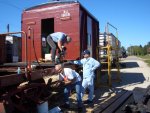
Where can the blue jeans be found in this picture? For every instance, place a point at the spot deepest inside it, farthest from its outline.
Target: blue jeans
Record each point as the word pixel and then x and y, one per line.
pixel 88 83
pixel 77 87
pixel 54 47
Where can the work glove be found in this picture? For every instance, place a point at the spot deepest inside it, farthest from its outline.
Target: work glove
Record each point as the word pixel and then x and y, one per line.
pixel 70 62
pixel 64 49
pixel 62 53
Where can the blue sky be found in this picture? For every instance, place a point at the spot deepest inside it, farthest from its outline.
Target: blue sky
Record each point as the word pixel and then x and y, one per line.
pixel 130 17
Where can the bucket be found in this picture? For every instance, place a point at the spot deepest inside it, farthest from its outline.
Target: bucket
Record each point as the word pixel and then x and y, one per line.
pixel 42 108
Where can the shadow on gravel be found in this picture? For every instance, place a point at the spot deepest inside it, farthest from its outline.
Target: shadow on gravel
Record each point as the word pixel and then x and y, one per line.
pixel 128 65
pixel 130 79
pixel 126 78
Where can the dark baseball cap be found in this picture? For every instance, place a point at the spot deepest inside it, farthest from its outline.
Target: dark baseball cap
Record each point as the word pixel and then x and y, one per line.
pixel 86 52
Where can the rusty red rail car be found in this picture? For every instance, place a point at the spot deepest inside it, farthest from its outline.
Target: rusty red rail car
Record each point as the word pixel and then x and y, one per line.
pixel 69 17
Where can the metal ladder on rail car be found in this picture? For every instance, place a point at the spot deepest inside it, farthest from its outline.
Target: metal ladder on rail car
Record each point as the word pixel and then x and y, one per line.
pixel 106 50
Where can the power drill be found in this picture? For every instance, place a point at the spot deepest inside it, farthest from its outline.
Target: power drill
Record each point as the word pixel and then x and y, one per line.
pixel 63 52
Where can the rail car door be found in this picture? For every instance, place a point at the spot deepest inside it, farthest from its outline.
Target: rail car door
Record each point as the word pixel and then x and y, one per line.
pixel 47 27
pixel 89 34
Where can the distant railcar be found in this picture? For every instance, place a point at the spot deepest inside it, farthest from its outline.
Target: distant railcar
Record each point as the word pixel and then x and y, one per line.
pixel 112 40
pixel 69 17
pixel 13 48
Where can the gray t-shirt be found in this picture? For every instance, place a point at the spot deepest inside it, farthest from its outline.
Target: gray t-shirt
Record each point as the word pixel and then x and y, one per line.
pixel 59 36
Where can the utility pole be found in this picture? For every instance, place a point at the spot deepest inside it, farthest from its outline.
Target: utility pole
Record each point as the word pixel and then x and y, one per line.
pixel 130 49
pixel 8 28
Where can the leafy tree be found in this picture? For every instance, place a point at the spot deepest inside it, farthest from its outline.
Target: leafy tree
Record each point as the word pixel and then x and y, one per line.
pixel 123 48
pixel 148 44
pixel 139 50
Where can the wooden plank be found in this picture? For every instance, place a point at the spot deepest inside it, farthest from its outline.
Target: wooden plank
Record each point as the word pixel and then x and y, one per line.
pixel 101 107
pixel 113 107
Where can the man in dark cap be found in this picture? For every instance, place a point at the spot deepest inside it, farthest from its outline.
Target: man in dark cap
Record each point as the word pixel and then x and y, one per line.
pixel 89 66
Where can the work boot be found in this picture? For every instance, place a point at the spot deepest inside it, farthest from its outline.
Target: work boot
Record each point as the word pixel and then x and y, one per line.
pixel 88 102
pixel 52 62
pixel 67 106
pixel 79 108
pixel 57 61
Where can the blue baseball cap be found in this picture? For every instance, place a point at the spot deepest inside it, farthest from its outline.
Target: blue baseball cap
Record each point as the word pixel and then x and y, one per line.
pixel 86 52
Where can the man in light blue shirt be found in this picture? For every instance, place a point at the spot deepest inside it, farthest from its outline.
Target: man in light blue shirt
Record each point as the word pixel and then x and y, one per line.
pixel 89 67
pixel 56 41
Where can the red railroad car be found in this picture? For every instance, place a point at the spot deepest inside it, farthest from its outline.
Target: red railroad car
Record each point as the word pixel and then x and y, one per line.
pixel 69 17
pixel 2 49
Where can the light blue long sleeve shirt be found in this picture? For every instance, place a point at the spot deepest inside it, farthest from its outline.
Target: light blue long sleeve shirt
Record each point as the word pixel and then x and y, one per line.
pixel 89 66
pixel 58 36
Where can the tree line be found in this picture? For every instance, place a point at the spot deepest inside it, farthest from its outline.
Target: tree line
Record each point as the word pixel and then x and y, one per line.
pixel 139 50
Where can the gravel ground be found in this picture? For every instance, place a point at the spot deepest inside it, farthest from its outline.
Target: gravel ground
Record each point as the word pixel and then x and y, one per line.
pixel 135 74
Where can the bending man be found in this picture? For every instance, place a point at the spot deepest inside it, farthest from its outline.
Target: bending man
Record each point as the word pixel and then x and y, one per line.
pixel 72 80
pixel 56 41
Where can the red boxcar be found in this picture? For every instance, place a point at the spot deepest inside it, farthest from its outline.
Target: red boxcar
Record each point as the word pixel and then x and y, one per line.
pixel 69 17
pixel 2 49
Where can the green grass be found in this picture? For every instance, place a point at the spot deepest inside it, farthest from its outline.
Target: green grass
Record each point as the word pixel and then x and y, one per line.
pixel 148 61
pixel 146 58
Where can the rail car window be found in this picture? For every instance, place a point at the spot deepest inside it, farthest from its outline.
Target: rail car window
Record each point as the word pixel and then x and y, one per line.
pixel 82 31
pixel 89 34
